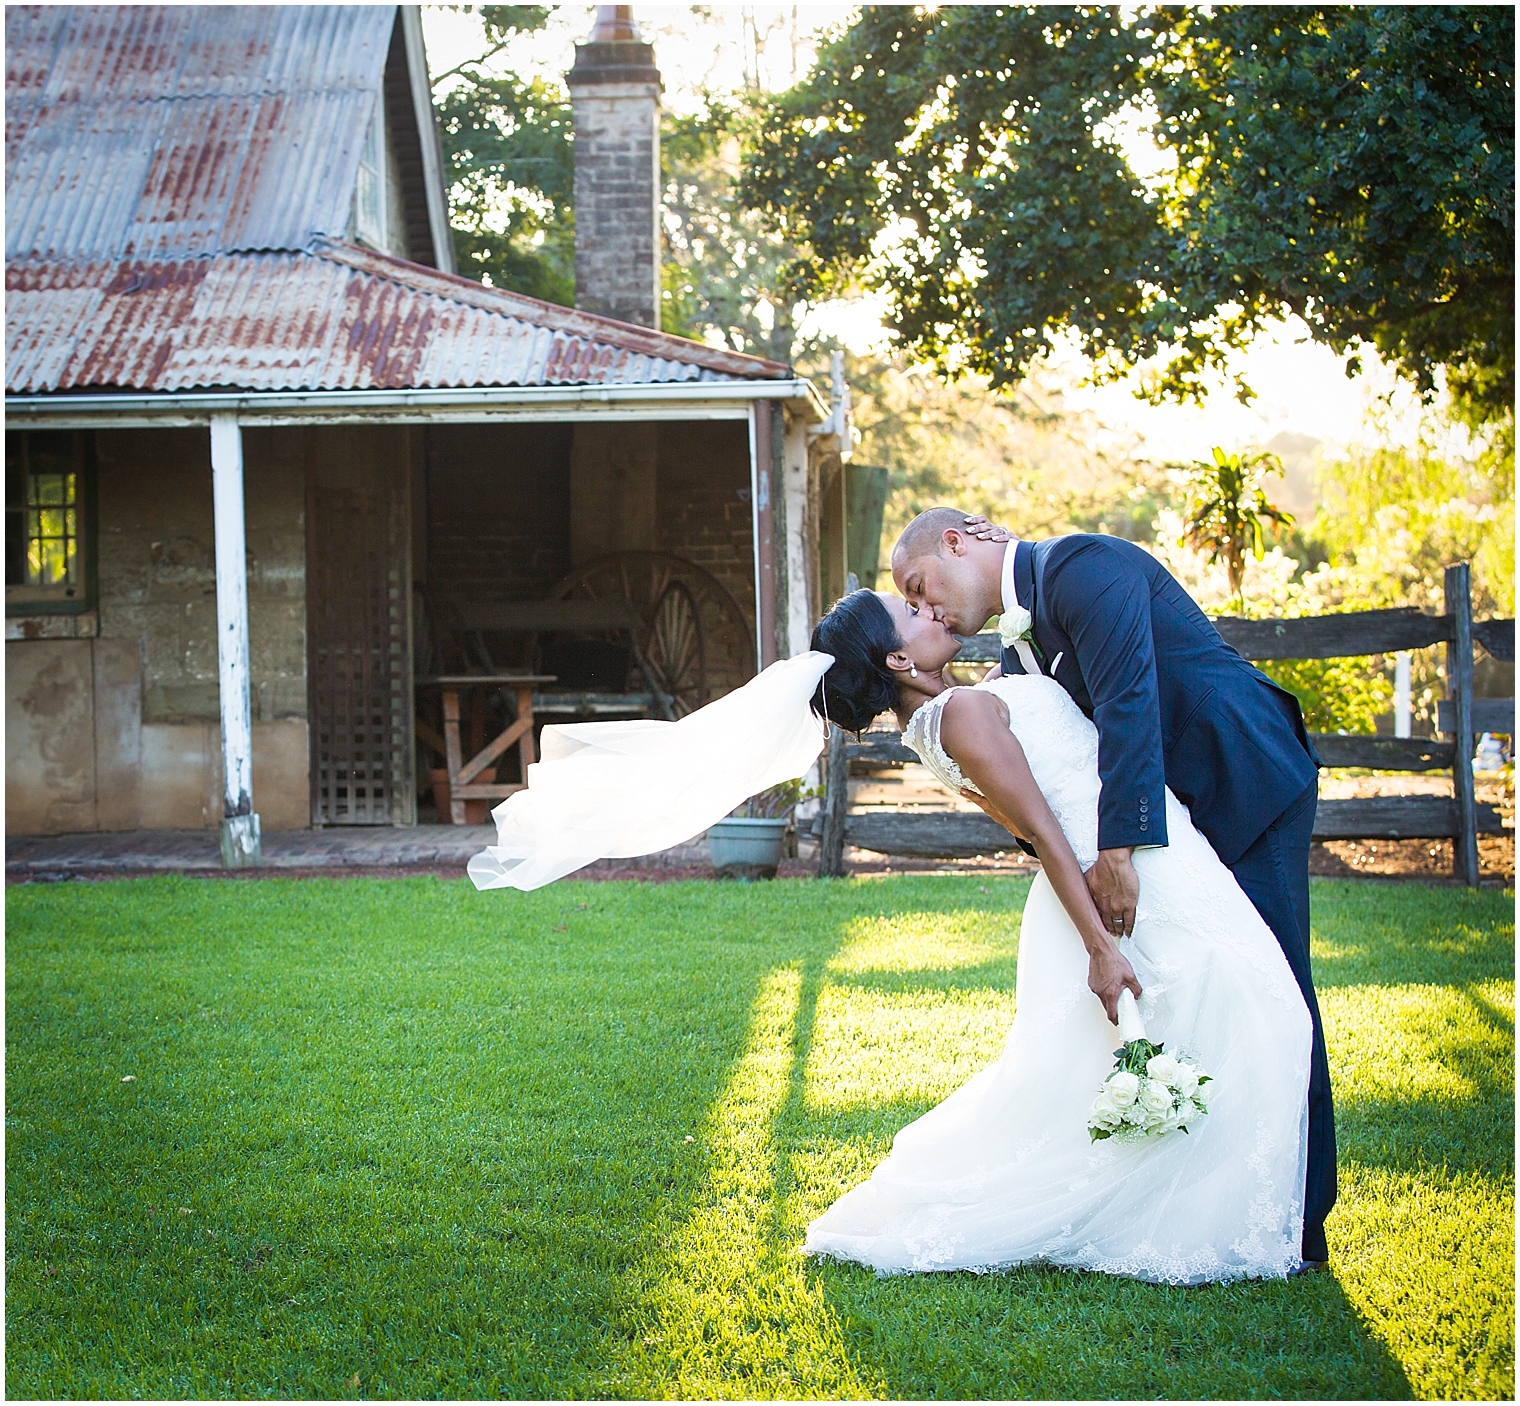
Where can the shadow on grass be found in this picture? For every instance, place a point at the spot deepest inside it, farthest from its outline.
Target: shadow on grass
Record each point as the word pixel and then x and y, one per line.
pixel 398 1139
pixel 1042 1332
pixel 1469 1040
pixel 735 1311
pixel 1409 933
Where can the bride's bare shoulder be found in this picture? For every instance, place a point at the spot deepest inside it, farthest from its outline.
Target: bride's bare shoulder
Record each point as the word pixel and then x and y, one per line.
pixel 968 710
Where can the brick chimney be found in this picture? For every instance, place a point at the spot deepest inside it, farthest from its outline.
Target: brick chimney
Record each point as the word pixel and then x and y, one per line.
pixel 615 93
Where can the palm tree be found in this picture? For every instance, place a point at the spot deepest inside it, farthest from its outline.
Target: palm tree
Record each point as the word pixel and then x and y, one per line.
pixel 1227 508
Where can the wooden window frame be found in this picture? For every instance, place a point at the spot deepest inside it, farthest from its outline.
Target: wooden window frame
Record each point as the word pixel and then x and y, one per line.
pixel 376 235
pixel 40 600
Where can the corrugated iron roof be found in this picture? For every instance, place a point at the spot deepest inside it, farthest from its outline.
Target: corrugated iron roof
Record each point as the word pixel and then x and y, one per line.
pixel 333 317
pixel 177 180
pixel 160 132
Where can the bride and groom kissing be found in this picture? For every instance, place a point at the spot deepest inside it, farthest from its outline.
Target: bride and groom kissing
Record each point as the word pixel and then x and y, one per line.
pixel 1169 790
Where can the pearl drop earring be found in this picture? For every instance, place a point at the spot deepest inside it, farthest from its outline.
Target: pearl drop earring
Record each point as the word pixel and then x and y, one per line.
pixel 913 671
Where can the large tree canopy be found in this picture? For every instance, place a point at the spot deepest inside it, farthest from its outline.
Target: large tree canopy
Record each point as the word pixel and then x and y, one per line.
pixel 1354 165
pixel 507 143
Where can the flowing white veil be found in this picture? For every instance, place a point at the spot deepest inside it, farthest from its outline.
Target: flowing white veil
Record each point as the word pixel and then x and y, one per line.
pixel 617 789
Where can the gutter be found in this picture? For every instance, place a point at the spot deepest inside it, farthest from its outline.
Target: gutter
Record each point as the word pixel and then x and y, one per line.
pixel 680 400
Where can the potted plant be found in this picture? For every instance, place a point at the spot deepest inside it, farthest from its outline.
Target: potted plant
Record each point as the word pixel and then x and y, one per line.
pixel 748 843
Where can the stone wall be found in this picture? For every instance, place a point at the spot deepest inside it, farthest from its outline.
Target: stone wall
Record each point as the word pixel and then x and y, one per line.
pixel 704 502
pixel 705 516
pixel 494 509
pixel 144 690
pixel 614 489
pixel 510 510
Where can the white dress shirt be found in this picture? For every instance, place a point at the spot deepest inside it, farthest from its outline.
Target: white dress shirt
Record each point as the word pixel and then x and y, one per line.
pixel 1022 647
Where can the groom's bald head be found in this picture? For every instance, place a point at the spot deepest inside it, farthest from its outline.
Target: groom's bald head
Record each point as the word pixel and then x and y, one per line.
pixel 926 533
pixel 937 563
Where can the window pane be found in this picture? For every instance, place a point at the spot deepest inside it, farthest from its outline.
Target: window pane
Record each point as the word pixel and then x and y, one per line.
pixel 56 564
pixel 43 518
pixel 369 192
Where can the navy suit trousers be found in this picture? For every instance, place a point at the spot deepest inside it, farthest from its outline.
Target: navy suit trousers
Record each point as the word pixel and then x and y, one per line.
pixel 1274 872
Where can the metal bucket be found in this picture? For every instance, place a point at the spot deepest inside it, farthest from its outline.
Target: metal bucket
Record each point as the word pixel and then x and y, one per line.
pixel 745 848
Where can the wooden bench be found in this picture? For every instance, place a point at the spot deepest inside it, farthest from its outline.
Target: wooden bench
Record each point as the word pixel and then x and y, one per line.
pixel 463 785
pixel 964 835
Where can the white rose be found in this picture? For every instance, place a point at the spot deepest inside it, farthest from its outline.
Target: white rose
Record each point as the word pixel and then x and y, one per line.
pixel 1163 1067
pixel 1105 1113
pixel 1155 1098
pixel 1124 1087
pixel 1187 1080
pixel 1014 624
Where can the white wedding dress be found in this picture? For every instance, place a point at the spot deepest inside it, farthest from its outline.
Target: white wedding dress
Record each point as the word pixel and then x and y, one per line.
pixel 1003 1171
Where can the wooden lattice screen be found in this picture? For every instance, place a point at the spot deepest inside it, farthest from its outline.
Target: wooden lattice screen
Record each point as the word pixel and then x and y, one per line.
pixel 358 627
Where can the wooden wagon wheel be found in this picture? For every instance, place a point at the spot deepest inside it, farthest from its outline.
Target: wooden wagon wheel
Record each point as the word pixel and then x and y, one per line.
pixel 689 629
pixel 677 649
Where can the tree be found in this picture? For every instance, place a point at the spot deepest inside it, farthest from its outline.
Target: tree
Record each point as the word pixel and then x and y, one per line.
pixel 1353 165
pixel 507 145
pixel 1228 510
pixel 722 268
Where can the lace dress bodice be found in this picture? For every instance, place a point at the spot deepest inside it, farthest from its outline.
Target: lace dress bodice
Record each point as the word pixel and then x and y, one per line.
pixel 1059 742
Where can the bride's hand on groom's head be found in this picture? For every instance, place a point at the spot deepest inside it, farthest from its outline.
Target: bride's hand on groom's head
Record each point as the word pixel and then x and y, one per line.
pixel 978 526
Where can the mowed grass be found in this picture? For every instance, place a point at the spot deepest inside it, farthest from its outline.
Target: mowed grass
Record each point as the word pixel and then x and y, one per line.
pixel 397 1138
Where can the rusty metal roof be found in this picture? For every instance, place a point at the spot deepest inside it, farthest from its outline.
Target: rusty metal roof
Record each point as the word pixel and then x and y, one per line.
pixel 331 317
pixel 158 132
pixel 178 181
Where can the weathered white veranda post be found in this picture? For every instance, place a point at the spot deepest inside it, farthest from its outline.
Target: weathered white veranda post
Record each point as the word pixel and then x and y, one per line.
pixel 240 825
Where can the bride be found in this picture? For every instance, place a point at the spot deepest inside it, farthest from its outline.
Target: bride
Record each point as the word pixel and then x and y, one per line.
pixel 1003 1172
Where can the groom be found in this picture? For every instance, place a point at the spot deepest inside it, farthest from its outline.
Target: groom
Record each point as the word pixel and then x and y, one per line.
pixel 1174 706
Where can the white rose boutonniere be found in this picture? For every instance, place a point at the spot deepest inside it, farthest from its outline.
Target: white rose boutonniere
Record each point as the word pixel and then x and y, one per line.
pixel 1013 625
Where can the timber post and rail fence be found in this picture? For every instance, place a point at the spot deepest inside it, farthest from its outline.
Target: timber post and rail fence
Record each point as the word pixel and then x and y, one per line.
pixel 1460 718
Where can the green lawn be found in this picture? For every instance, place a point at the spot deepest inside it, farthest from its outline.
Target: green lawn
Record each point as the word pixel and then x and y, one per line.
pixel 397 1138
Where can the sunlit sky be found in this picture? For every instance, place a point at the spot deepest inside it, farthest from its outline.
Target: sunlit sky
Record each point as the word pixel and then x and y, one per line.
pixel 1300 386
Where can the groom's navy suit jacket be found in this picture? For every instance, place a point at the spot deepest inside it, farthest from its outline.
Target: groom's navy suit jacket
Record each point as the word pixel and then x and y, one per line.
pixel 1173 703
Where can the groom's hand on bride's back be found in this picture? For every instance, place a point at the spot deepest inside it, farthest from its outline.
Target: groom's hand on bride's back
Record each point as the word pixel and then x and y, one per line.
pixel 1115 889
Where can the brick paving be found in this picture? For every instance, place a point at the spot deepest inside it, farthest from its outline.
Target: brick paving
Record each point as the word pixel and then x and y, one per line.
pixel 444 850
pixel 420 849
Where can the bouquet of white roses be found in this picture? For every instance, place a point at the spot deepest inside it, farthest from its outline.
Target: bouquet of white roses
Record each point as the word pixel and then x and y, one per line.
pixel 1149 1092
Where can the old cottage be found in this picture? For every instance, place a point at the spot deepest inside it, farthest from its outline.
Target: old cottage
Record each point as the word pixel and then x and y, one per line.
pixel 273 471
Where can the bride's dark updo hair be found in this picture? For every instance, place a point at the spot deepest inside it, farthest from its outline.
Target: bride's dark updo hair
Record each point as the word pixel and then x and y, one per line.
pixel 859 633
